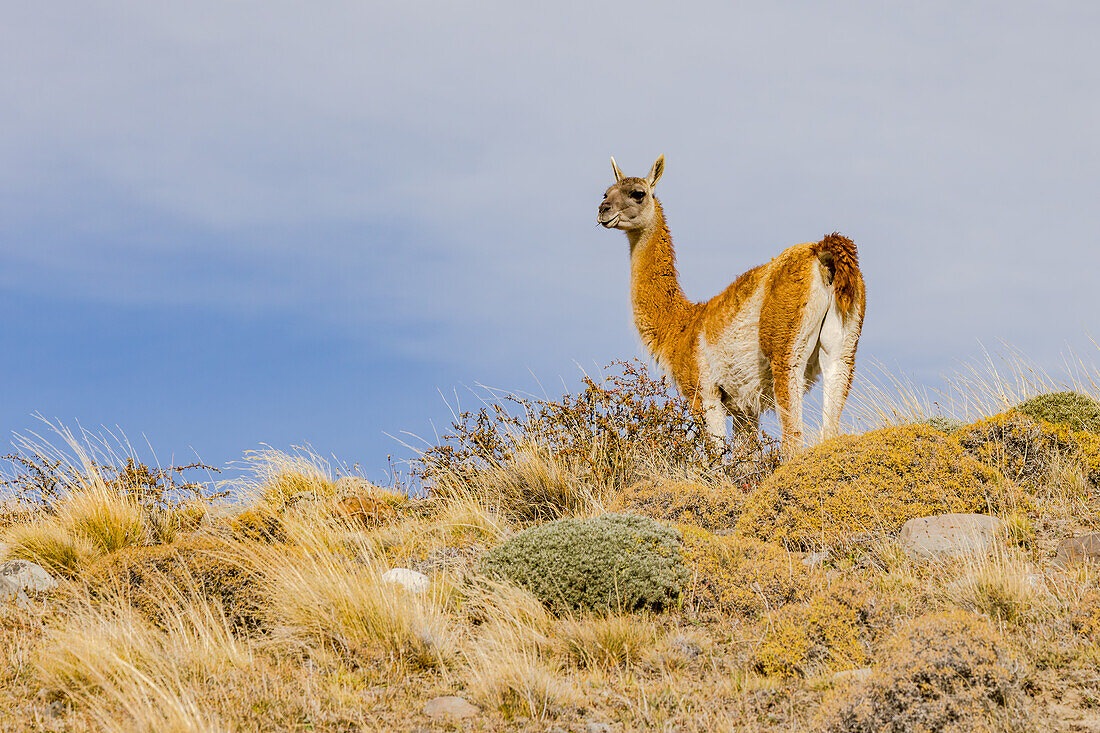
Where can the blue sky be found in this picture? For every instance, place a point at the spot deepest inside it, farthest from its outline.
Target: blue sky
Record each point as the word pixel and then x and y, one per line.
pixel 225 225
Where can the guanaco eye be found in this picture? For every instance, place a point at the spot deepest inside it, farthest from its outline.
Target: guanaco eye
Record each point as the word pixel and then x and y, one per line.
pixel 638 195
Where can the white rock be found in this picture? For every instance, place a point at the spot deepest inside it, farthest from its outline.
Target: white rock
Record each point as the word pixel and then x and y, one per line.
pixel 450 707
pixel 854 675
pixel 813 559
pixel 11 593
pixel 353 485
pixel 949 534
pixel 410 580
pixel 27 576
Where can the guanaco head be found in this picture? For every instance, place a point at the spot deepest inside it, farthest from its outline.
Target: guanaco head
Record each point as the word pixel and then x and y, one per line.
pixel 628 203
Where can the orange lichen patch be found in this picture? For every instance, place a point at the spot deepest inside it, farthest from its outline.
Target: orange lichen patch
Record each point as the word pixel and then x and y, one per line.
pixel 870 483
pixel 365 510
pixel 682 502
pixel 822 634
pixel 736 575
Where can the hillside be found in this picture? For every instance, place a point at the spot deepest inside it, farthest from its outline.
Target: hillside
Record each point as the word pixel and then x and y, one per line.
pixel 587 564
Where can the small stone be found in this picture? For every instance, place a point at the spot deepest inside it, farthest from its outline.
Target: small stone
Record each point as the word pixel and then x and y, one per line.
pixel 410 580
pixel 597 728
pixel 11 593
pixel 27 575
pixel 685 646
pixel 949 534
pixel 853 675
pixel 353 485
pixel 1078 549
pixel 813 559
pixel 450 707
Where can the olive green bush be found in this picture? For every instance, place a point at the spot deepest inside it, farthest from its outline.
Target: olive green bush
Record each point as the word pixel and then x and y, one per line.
pixel 1072 410
pixel 613 562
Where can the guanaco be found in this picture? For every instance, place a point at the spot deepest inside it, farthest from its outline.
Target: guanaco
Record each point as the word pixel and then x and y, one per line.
pixel 762 342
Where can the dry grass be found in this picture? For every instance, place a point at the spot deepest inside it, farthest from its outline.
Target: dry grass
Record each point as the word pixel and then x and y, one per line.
pixel 51 545
pixel 331 647
pixel 275 476
pixel 608 641
pixel 530 485
pixel 104 518
pixel 340 602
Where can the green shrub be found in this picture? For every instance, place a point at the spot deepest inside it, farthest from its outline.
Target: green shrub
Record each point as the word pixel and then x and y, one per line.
pixel 943 424
pixel 871 483
pixel 948 672
pixel 1068 409
pixel 614 562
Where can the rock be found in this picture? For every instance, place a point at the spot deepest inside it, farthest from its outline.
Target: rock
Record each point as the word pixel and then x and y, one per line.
pixel 11 593
pixel 1078 549
pixel 685 646
pixel 813 559
pixel 27 576
pixel 450 707
pixel 302 496
pixel 949 534
pixel 597 728
pixel 853 675
pixel 410 580
pixel 353 485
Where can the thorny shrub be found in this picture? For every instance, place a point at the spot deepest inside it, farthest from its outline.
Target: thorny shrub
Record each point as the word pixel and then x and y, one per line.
pixel 612 430
pixel 41 481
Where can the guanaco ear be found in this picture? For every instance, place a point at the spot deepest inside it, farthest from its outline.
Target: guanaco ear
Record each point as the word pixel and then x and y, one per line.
pixel 656 171
pixel 615 169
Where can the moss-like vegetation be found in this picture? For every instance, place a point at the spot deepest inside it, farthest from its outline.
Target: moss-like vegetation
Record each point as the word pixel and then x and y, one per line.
pixel 188 565
pixel 870 483
pixel 682 502
pixel 1071 410
pixel 948 672
pixel 822 634
pixel 943 424
pixel 613 562
pixel 739 576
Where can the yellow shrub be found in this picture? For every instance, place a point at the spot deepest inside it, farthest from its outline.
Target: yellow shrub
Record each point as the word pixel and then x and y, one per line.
pixel 682 502
pixel 1085 620
pixel 823 632
pixel 1022 449
pixel 737 575
pixel 259 524
pixel 870 483
pixel 946 672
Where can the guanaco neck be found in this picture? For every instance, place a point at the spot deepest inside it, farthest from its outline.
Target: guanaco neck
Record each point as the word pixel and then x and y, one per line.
pixel 665 318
